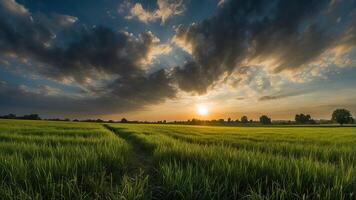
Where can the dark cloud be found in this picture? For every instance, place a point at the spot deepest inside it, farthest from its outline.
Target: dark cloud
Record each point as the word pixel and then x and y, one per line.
pixel 193 77
pixel 46 100
pixel 268 97
pixel 284 95
pixel 99 50
pixel 92 51
pixel 286 34
pixel 108 65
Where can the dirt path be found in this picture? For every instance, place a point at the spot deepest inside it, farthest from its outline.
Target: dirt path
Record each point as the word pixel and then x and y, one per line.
pixel 141 159
pixel 142 162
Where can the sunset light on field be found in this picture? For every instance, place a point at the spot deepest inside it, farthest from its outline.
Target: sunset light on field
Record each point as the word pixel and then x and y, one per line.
pixel 178 99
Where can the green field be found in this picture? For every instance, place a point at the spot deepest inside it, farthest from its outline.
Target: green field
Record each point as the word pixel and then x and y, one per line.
pixel 76 160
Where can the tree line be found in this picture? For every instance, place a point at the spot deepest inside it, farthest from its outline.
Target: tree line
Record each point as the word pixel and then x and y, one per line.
pixel 341 116
pixel 28 117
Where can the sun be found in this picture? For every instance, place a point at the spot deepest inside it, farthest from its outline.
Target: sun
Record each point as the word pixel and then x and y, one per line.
pixel 202 110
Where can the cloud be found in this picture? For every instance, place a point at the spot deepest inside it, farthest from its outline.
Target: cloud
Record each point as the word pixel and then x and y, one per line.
pixel 193 78
pixel 279 35
pixel 281 95
pixel 109 66
pixel 94 52
pixel 169 8
pixel 13 7
pixel 141 14
pixel 221 2
pixel 166 9
pixel 22 99
pixel 126 95
pixel 43 90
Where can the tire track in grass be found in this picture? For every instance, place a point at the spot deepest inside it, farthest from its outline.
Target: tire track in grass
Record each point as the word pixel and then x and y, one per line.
pixel 142 164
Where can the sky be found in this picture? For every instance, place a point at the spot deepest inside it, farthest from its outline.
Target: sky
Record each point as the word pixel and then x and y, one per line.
pixel 164 59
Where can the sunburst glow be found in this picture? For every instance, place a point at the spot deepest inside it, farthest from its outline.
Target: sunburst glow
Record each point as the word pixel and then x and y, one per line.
pixel 202 110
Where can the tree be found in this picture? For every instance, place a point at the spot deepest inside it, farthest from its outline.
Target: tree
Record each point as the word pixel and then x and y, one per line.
pixel 264 119
pixel 303 119
pixel 124 120
pixel 342 116
pixel 31 117
pixel 9 116
pixel 244 119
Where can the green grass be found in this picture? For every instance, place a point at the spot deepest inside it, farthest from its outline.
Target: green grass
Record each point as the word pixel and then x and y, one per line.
pixel 61 160
pixel 200 162
pixel 66 160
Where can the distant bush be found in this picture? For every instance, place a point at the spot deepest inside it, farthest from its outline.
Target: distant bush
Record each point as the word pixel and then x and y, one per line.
pixel 304 119
pixel 9 116
pixel 244 119
pixel 264 119
pixel 124 120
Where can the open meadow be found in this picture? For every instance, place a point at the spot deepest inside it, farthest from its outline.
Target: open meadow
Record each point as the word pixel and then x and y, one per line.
pixel 178 100
pixel 77 160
